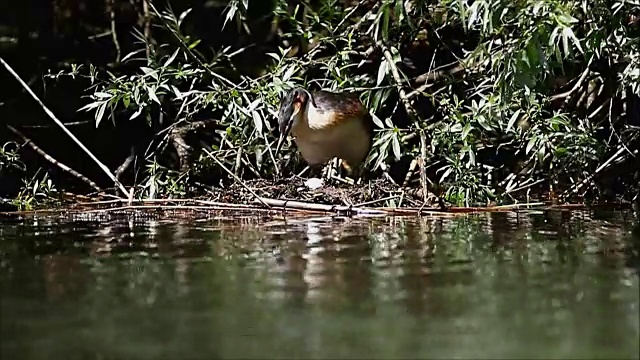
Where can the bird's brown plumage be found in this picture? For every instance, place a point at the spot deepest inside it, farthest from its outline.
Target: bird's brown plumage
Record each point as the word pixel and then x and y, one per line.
pixel 327 125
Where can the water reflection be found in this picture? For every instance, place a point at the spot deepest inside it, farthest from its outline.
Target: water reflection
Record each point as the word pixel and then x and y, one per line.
pixel 554 284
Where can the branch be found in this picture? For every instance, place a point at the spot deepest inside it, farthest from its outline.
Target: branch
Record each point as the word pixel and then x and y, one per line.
pixel 578 186
pixel 412 114
pixel 300 205
pixel 147 25
pixel 184 46
pixel 127 162
pixel 437 73
pixel 577 84
pixel 69 133
pixel 237 179
pixel 114 35
pixel 52 160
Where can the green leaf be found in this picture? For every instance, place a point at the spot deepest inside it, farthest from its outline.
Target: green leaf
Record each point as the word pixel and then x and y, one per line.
pixel 472 158
pixel 136 113
pixel 194 44
pixel 382 72
pixel 254 104
pixel 171 58
pixel 389 123
pixel 531 144
pixel 377 121
pixel 90 106
pixel 446 173
pixel 100 113
pixel 513 119
pixel 467 129
pixel 396 147
pixel 102 95
pixel 131 54
pixel 463 12
pixel 568 33
pixel 147 70
pixel 257 121
pixel 152 94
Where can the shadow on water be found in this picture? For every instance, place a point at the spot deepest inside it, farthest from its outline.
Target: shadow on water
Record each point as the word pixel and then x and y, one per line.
pixel 552 284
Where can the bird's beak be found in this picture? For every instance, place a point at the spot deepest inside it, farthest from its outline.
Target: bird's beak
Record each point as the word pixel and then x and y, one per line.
pixel 286 118
pixel 285 121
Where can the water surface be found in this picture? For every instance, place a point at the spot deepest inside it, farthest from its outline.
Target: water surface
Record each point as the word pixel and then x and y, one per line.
pixel 553 284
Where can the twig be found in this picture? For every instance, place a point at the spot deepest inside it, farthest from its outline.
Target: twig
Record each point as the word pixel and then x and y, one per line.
pixel 307 168
pixel 614 131
pixel 378 200
pixel 578 186
pixel 342 180
pixel 412 114
pixel 147 25
pixel 299 205
pixel 412 168
pixel 69 133
pixel 52 160
pixel 515 206
pixel 172 207
pixel 273 159
pixel 423 166
pixel 401 199
pixel 237 179
pixel 127 162
pixel 396 76
pixel 437 73
pixel 577 84
pixel 114 34
pixel 355 8
pixel 165 202
pixel 524 186
pixel 73 123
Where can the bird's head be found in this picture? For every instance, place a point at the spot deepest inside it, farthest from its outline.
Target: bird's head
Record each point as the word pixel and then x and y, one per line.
pixel 292 104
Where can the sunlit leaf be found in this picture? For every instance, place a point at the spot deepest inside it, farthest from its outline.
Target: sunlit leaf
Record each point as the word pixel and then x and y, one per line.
pixel 290 71
pixel 377 121
pixel 446 173
pixel 183 15
pixel 396 147
pixel 102 95
pixel 257 121
pixel 465 131
pixel 171 58
pixel 513 119
pixel 90 106
pixel 100 113
pixel 532 142
pixel 152 94
pixel 382 72
pixel 194 44
pixel 136 114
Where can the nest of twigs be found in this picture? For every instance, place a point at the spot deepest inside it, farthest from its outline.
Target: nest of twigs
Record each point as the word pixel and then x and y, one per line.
pixel 379 191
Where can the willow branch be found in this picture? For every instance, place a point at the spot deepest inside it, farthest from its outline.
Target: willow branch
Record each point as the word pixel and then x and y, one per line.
pixel 69 133
pixel 52 160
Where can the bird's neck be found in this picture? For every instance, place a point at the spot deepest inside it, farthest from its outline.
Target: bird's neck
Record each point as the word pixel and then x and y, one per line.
pixel 313 117
pixel 303 115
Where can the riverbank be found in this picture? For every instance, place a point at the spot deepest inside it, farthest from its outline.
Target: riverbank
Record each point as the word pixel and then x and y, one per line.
pixel 294 196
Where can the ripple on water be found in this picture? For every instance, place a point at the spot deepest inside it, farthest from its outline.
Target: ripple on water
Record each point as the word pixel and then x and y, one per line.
pixel 538 284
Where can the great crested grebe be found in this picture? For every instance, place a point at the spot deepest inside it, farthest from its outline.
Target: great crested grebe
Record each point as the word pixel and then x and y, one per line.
pixel 327 125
